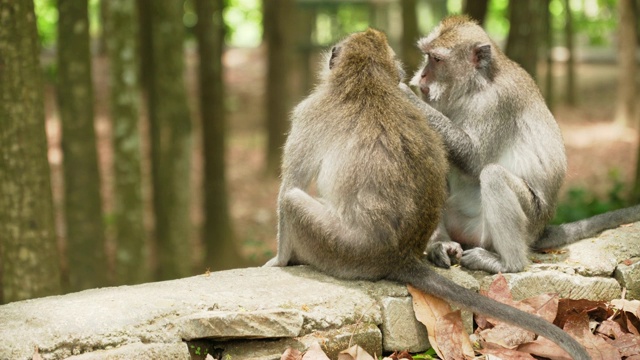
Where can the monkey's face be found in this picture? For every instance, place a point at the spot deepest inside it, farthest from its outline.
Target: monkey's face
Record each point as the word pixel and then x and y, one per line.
pixel 457 57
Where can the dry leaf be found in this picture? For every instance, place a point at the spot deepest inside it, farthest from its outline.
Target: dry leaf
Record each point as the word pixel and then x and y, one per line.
pixel 544 305
pixel 627 344
pixel 502 353
pixel 545 348
pixel 291 354
pixel 428 309
pixel 632 306
pixel 354 353
pixel 507 335
pixel 569 307
pixel 36 354
pixel 578 327
pixel 315 353
pixel 453 340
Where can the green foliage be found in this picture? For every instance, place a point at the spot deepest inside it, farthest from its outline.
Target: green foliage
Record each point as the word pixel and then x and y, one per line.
pixel 47 18
pixel 243 19
pixel 580 203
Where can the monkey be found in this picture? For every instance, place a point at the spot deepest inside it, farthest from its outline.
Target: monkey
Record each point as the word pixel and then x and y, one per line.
pixel 364 181
pixel 506 153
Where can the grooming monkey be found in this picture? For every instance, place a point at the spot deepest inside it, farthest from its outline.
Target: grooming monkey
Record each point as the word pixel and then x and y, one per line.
pixel 506 151
pixel 379 172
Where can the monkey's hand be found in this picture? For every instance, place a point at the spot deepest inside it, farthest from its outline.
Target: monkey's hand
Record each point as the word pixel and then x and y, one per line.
pixel 444 253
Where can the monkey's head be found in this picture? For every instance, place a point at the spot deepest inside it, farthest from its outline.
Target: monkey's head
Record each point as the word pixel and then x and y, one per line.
pixel 458 60
pixel 363 58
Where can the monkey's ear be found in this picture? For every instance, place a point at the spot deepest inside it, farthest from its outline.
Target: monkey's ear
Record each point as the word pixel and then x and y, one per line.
pixel 335 51
pixel 482 56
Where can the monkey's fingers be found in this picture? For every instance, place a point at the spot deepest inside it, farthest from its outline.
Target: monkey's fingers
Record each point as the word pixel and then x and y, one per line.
pixel 444 254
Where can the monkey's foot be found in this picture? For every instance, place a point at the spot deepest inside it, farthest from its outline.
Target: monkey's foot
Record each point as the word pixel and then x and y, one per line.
pixel 481 259
pixel 275 262
pixel 444 253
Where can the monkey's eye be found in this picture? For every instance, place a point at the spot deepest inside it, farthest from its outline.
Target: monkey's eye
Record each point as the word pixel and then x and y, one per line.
pixel 435 58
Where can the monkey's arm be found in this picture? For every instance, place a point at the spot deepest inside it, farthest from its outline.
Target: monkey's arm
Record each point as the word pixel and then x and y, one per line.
pixel 463 152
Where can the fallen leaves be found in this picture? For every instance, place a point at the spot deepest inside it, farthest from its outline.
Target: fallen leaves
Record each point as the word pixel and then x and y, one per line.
pixel 608 330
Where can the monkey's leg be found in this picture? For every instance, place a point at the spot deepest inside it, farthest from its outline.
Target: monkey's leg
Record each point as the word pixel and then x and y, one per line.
pixel 321 239
pixel 507 204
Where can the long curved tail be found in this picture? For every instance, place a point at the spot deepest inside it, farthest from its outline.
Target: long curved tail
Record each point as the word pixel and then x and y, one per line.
pixel 424 278
pixel 555 236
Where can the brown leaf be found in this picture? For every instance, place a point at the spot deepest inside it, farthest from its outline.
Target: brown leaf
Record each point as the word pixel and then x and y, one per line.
pixel 315 353
pixel 578 327
pixel 627 344
pixel 610 329
pixel 453 340
pixel 403 355
pixel 544 305
pixel 354 353
pixel 502 353
pixel 545 348
pixel 36 354
pixel 428 309
pixel 291 354
pixel 569 307
pixel 507 335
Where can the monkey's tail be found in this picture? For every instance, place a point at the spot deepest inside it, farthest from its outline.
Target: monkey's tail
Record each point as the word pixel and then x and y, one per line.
pixel 554 236
pixel 421 276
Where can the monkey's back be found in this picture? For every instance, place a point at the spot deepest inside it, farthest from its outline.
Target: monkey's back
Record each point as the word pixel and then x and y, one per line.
pixel 383 168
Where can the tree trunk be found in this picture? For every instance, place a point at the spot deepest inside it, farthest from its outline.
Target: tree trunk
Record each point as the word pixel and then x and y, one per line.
pixel 438 9
pixel 278 16
pixel 410 35
pixel 522 42
pixel 571 62
pixel 627 46
pixel 477 9
pixel 83 209
pixel 144 44
pixel 132 265
pixel 170 127
pixel 29 256
pixel 549 83
pixel 217 234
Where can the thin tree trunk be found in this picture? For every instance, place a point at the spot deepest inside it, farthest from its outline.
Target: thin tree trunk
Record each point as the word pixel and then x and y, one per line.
pixel 277 17
pixel 218 239
pixel 29 256
pixel 410 35
pixel 477 9
pixel 627 46
pixel 170 127
pixel 571 62
pixel 132 265
pixel 549 83
pixel 522 42
pixel 83 205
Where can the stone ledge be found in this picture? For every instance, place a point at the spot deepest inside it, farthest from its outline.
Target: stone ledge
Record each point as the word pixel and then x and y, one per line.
pixel 256 313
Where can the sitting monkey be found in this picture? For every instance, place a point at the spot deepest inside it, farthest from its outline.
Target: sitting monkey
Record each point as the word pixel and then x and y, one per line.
pixel 506 153
pixel 379 172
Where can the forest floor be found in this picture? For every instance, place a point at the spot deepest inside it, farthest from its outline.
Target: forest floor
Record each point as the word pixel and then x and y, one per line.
pixel 599 151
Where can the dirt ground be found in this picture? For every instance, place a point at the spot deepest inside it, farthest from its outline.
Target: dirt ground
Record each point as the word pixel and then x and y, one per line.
pixel 595 145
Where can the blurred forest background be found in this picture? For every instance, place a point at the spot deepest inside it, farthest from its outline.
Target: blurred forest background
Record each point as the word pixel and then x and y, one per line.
pixel 140 140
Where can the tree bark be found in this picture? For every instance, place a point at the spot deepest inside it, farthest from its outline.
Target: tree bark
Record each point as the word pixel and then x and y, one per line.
pixel 132 262
pixel 523 39
pixel 477 9
pixel 410 34
pixel 277 17
pixel 170 127
pixel 217 234
pixel 83 205
pixel 627 47
pixel 549 83
pixel 571 61
pixel 29 255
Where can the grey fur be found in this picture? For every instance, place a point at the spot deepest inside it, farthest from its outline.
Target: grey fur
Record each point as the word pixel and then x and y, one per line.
pixel 379 171
pixel 506 152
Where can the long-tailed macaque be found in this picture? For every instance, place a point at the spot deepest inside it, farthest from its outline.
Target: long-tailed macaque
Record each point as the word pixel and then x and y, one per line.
pixel 379 174
pixel 506 153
